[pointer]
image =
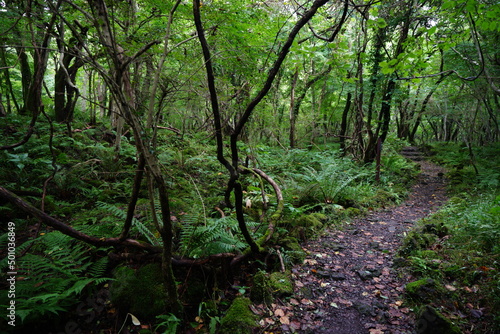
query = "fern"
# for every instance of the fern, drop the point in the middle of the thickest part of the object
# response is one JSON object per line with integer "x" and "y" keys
{"x": 217, "y": 236}
{"x": 326, "y": 184}
{"x": 98, "y": 268}
{"x": 142, "y": 228}
{"x": 60, "y": 270}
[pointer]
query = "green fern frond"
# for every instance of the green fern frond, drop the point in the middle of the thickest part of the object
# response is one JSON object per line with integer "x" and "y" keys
{"x": 98, "y": 268}
{"x": 141, "y": 228}
{"x": 53, "y": 276}
{"x": 20, "y": 249}
{"x": 217, "y": 236}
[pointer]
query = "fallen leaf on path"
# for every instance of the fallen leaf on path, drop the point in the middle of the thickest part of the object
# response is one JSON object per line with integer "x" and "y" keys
{"x": 279, "y": 312}
{"x": 295, "y": 325}
{"x": 284, "y": 320}
{"x": 376, "y": 331}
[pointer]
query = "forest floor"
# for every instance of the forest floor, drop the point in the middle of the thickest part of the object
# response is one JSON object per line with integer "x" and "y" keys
{"x": 348, "y": 283}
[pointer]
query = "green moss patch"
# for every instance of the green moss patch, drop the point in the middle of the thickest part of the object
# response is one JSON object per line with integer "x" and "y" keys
{"x": 308, "y": 225}
{"x": 431, "y": 321}
{"x": 423, "y": 290}
{"x": 261, "y": 289}
{"x": 281, "y": 283}
{"x": 239, "y": 319}
{"x": 139, "y": 292}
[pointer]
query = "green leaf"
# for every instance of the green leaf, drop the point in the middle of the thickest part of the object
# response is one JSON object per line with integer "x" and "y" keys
{"x": 448, "y": 4}
{"x": 79, "y": 286}
{"x": 381, "y": 23}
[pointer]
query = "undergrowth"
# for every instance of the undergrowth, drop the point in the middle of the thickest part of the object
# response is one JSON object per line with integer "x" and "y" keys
{"x": 459, "y": 246}
{"x": 60, "y": 270}
{"x": 92, "y": 183}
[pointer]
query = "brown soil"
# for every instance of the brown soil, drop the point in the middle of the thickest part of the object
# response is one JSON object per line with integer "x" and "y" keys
{"x": 348, "y": 283}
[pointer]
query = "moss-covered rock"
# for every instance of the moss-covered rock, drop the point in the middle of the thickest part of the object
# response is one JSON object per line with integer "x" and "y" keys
{"x": 430, "y": 321}
{"x": 239, "y": 319}
{"x": 423, "y": 290}
{"x": 417, "y": 240}
{"x": 261, "y": 289}
{"x": 266, "y": 285}
{"x": 308, "y": 225}
{"x": 352, "y": 212}
{"x": 383, "y": 197}
{"x": 293, "y": 249}
{"x": 281, "y": 283}
{"x": 139, "y": 292}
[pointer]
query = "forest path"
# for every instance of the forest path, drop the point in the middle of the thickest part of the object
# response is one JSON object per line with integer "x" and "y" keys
{"x": 347, "y": 284}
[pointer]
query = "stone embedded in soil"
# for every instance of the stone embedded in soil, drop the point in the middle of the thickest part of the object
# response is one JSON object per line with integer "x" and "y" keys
{"x": 368, "y": 274}
{"x": 365, "y": 274}
{"x": 337, "y": 276}
{"x": 364, "y": 309}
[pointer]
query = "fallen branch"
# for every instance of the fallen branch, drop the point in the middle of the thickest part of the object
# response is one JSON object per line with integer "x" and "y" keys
{"x": 70, "y": 231}
{"x": 169, "y": 128}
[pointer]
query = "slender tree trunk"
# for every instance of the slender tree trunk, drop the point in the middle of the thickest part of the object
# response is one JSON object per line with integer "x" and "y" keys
{"x": 8, "y": 82}
{"x": 122, "y": 91}
{"x": 293, "y": 114}
{"x": 26, "y": 77}
{"x": 343, "y": 123}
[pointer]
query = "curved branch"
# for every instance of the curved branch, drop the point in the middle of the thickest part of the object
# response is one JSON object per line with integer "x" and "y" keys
{"x": 211, "y": 87}
{"x": 280, "y": 206}
{"x": 276, "y": 66}
{"x": 27, "y": 136}
{"x": 337, "y": 28}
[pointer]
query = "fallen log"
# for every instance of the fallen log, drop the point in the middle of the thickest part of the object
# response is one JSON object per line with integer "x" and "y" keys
{"x": 70, "y": 231}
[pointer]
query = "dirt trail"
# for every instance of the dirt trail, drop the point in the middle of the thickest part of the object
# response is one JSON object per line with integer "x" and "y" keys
{"x": 348, "y": 284}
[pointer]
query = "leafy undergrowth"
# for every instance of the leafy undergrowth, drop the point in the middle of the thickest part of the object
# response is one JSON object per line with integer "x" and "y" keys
{"x": 457, "y": 249}
{"x": 89, "y": 181}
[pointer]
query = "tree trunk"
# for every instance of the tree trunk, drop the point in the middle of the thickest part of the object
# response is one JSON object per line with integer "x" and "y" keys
{"x": 26, "y": 77}
{"x": 293, "y": 110}
{"x": 233, "y": 166}
{"x": 343, "y": 123}
{"x": 10, "y": 94}
{"x": 120, "y": 87}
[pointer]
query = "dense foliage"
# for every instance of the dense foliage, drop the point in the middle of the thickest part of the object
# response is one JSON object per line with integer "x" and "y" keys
{"x": 210, "y": 134}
